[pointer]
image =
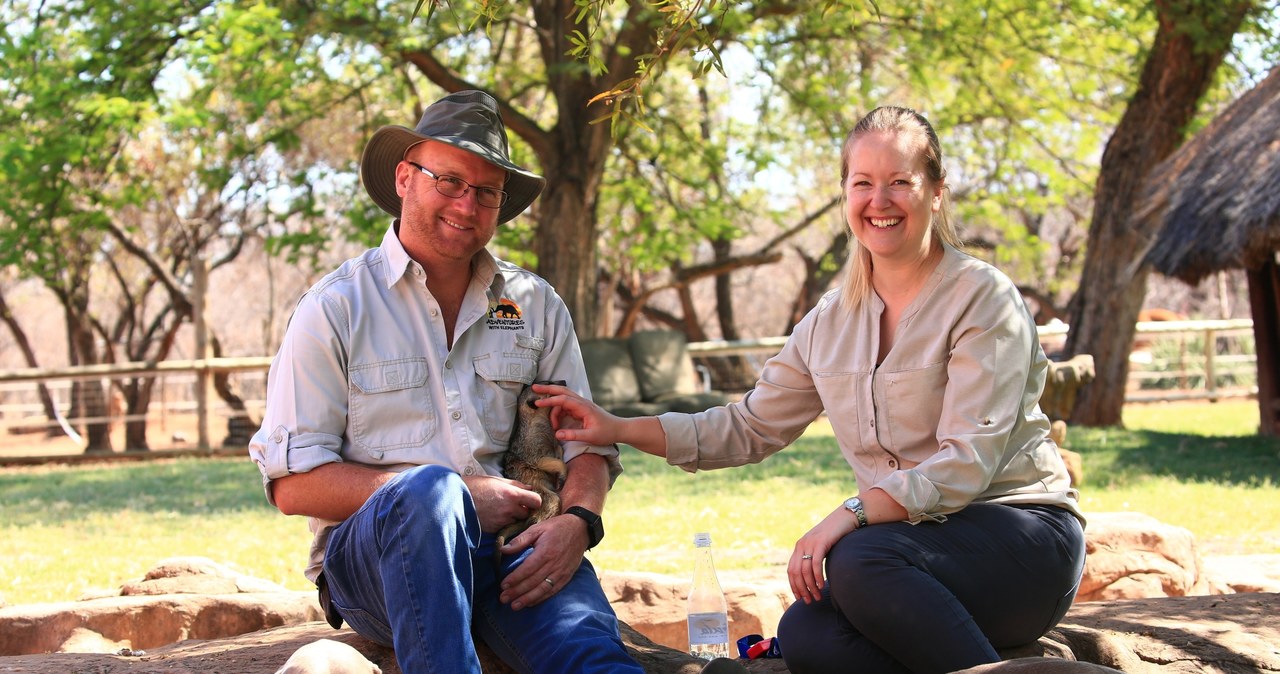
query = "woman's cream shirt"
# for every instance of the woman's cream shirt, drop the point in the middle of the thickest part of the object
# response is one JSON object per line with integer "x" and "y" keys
{"x": 950, "y": 417}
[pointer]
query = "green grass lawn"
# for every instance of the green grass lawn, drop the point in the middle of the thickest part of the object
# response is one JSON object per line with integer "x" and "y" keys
{"x": 65, "y": 531}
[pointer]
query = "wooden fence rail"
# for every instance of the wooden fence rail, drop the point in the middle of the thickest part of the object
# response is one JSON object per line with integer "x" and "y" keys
{"x": 1175, "y": 360}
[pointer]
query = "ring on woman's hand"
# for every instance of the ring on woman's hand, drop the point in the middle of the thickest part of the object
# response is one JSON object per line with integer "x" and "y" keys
{"x": 550, "y": 582}
{"x": 806, "y": 556}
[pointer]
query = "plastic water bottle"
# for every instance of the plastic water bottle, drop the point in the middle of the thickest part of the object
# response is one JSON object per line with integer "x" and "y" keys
{"x": 708, "y": 611}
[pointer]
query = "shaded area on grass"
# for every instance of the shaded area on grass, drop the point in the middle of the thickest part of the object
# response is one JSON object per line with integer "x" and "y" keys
{"x": 55, "y": 496}
{"x": 1116, "y": 457}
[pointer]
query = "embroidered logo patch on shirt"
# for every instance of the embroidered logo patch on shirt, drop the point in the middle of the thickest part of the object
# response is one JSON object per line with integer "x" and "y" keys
{"x": 505, "y": 314}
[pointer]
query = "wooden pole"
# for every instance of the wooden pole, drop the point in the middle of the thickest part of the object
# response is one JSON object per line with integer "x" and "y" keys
{"x": 199, "y": 291}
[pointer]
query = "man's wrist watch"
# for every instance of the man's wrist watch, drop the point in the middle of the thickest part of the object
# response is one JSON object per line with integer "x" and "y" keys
{"x": 595, "y": 525}
{"x": 854, "y": 505}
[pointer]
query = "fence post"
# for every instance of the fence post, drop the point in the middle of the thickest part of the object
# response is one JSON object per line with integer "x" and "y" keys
{"x": 199, "y": 291}
{"x": 1210, "y": 377}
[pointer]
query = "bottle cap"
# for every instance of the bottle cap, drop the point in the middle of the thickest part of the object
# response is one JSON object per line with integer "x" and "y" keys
{"x": 701, "y": 540}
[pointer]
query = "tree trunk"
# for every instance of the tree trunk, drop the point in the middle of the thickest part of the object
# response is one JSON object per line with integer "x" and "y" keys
{"x": 565, "y": 244}
{"x": 29, "y": 356}
{"x": 573, "y": 155}
{"x": 138, "y": 397}
{"x": 90, "y": 395}
{"x": 1177, "y": 72}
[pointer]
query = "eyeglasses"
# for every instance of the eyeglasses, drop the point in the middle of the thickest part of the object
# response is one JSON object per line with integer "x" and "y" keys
{"x": 455, "y": 188}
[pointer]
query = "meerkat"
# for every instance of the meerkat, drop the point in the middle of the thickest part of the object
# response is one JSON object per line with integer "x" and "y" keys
{"x": 534, "y": 457}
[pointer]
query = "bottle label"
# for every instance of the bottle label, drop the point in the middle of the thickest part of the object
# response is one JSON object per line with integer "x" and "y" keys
{"x": 708, "y": 628}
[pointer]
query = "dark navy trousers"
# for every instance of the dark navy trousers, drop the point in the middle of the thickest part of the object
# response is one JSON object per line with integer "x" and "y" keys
{"x": 938, "y": 597}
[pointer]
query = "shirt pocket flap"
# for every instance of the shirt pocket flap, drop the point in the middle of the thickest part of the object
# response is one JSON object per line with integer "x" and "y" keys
{"x": 508, "y": 369}
{"x": 393, "y": 375}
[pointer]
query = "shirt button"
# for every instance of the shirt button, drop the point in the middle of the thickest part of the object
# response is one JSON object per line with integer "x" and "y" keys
{"x": 873, "y": 423}
{"x": 469, "y": 470}
{"x": 893, "y": 464}
{"x": 456, "y": 415}
{"x": 448, "y": 365}
{"x": 377, "y": 454}
{"x": 434, "y": 313}
{"x": 276, "y": 438}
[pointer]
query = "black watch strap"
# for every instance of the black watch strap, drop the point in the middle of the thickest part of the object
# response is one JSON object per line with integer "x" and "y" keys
{"x": 595, "y": 526}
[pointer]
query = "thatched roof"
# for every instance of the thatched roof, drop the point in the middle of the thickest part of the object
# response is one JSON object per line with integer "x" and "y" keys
{"x": 1216, "y": 201}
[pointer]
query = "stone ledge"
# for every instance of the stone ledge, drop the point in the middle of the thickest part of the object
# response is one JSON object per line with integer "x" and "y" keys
{"x": 1172, "y": 635}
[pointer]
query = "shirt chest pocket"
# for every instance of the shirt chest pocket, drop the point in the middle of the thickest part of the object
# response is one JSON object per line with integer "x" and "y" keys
{"x": 499, "y": 380}
{"x": 912, "y": 405}
{"x": 390, "y": 406}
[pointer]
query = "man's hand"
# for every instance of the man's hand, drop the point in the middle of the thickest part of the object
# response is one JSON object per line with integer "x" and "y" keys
{"x": 558, "y": 545}
{"x": 500, "y": 501}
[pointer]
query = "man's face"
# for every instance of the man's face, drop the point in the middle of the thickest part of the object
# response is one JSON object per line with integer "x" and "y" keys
{"x": 434, "y": 227}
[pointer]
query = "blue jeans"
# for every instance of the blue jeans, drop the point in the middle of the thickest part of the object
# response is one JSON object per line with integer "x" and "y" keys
{"x": 938, "y": 597}
{"x": 413, "y": 571}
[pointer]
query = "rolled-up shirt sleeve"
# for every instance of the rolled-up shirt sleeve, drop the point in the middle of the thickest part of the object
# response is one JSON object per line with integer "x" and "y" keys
{"x": 771, "y": 416}
{"x": 306, "y": 409}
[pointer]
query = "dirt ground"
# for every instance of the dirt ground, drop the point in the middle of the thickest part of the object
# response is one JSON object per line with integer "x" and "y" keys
{"x": 164, "y": 432}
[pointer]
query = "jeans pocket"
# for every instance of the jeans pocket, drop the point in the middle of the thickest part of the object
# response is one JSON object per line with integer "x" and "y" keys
{"x": 366, "y": 625}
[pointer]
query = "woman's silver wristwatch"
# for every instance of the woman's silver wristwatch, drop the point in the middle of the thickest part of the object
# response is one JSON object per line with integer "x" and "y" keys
{"x": 854, "y": 505}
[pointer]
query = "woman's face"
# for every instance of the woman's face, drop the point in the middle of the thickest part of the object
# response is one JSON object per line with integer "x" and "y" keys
{"x": 889, "y": 200}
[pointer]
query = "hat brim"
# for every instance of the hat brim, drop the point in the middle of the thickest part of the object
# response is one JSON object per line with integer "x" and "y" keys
{"x": 385, "y": 150}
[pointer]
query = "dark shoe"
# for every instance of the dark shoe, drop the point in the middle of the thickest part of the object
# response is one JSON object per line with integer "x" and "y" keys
{"x": 723, "y": 666}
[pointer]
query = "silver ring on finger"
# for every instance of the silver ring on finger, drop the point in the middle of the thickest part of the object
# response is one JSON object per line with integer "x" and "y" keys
{"x": 549, "y": 582}
{"x": 806, "y": 556}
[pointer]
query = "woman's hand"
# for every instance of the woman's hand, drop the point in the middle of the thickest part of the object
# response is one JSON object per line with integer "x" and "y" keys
{"x": 804, "y": 571}
{"x": 576, "y": 418}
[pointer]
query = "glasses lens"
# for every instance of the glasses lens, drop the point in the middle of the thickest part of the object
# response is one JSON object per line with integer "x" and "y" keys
{"x": 450, "y": 186}
{"x": 489, "y": 197}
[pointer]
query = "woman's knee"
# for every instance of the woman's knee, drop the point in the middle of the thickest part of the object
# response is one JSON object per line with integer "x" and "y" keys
{"x": 857, "y": 566}
{"x": 805, "y": 635}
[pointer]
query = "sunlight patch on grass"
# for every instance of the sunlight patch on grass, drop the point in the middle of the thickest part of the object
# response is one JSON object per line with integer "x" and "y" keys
{"x": 70, "y": 530}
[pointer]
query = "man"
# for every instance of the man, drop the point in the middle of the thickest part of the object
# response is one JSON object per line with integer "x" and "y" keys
{"x": 390, "y": 404}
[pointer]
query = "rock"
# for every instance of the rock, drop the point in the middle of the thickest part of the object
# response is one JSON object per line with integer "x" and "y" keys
{"x": 1173, "y": 635}
{"x": 266, "y": 651}
{"x": 1170, "y": 635}
{"x": 181, "y": 598}
{"x": 1062, "y": 384}
{"x": 1038, "y": 666}
{"x": 248, "y": 625}
{"x": 655, "y": 605}
{"x": 1243, "y": 573}
{"x": 1131, "y": 555}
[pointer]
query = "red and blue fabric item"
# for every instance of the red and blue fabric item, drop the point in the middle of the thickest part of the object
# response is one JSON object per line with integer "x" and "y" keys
{"x": 755, "y": 646}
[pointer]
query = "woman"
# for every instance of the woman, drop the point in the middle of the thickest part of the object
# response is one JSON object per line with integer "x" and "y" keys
{"x": 964, "y": 535}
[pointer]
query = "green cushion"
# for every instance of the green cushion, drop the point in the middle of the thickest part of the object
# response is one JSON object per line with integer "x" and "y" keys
{"x": 662, "y": 363}
{"x": 609, "y": 372}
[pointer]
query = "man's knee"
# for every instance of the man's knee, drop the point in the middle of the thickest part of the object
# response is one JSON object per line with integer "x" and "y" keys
{"x": 429, "y": 481}
{"x": 431, "y": 489}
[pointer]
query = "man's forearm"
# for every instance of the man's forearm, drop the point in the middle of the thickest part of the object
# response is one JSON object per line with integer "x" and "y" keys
{"x": 334, "y": 491}
{"x": 586, "y": 484}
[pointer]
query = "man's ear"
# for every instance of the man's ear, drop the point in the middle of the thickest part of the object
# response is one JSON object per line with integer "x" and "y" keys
{"x": 402, "y": 178}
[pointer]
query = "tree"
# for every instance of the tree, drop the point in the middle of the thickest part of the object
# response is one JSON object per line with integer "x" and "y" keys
{"x": 1191, "y": 41}
{"x": 181, "y": 141}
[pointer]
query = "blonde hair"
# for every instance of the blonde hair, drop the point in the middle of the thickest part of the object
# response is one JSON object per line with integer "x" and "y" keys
{"x": 904, "y": 122}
